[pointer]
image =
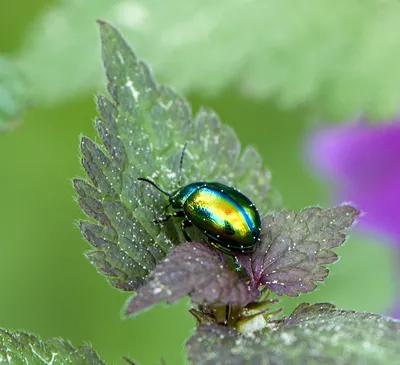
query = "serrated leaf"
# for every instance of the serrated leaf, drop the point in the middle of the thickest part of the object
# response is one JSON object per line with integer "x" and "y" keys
{"x": 295, "y": 247}
{"x": 338, "y": 58}
{"x": 18, "y": 348}
{"x": 194, "y": 269}
{"x": 13, "y": 94}
{"x": 143, "y": 128}
{"x": 313, "y": 334}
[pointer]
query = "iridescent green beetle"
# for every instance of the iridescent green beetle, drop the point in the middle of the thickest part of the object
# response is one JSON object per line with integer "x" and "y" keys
{"x": 227, "y": 217}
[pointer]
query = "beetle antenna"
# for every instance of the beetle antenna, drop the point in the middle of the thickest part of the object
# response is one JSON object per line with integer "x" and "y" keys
{"x": 181, "y": 162}
{"x": 155, "y": 185}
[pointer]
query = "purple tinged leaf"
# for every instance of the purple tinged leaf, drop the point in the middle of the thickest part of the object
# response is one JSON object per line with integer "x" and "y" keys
{"x": 295, "y": 247}
{"x": 195, "y": 269}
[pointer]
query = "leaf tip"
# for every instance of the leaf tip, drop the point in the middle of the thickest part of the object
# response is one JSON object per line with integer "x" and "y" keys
{"x": 102, "y": 22}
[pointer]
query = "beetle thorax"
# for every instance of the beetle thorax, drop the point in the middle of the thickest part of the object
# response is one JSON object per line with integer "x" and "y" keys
{"x": 179, "y": 197}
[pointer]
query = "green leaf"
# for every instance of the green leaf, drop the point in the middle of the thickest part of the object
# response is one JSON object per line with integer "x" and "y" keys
{"x": 18, "y": 348}
{"x": 313, "y": 334}
{"x": 13, "y": 94}
{"x": 295, "y": 248}
{"x": 143, "y": 128}
{"x": 339, "y": 58}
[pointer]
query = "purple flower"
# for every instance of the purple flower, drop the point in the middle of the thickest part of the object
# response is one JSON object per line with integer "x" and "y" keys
{"x": 363, "y": 161}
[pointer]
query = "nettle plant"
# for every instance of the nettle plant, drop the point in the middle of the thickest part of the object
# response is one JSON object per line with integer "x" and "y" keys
{"x": 213, "y": 249}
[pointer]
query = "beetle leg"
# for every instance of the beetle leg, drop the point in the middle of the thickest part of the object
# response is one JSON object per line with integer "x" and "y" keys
{"x": 186, "y": 224}
{"x": 167, "y": 217}
{"x": 162, "y": 219}
{"x": 237, "y": 264}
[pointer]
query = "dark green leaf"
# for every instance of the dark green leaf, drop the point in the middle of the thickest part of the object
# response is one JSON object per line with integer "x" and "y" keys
{"x": 295, "y": 247}
{"x": 313, "y": 334}
{"x": 20, "y": 348}
{"x": 143, "y": 127}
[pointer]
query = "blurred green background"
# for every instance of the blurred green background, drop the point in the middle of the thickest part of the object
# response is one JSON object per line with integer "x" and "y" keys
{"x": 49, "y": 288}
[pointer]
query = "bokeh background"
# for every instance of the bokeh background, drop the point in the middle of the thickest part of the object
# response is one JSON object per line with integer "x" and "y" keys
{"x": 47, "y": 286}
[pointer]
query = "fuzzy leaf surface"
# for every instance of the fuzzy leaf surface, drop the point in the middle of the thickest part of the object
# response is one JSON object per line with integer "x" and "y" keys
{"x": 339, "y": 56}
{"x": 295, "y": 247}
{"x": 13, "y": 94}
{"x": 195, "y": 269}
{"x": 142, "y": 130}
{"x": 20, "y": 348}
{"x": 313, "y": 334}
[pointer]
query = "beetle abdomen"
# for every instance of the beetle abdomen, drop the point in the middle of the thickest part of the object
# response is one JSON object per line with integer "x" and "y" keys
{"x": 225, "y": 215}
